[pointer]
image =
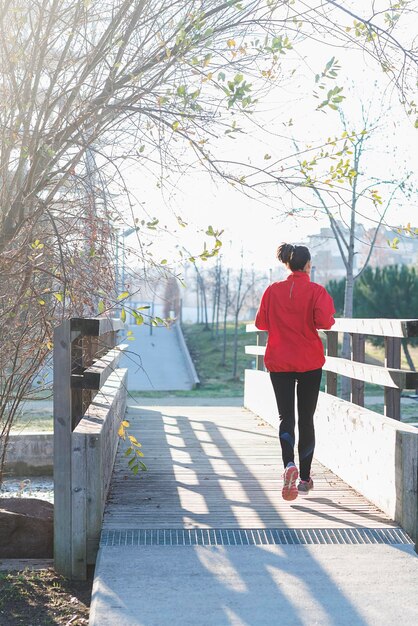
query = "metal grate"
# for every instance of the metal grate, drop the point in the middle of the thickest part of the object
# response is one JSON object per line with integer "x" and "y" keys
{"x": 252, "y": 536}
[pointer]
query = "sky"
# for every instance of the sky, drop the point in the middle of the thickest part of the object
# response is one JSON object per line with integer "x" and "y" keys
{"x": 253, "y": 227}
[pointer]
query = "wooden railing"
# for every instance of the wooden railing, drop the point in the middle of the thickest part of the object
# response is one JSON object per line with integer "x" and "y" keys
{"x": 377, "y": 456}
{"x": 390, "y": 376}
{"x": 89, "y": 403}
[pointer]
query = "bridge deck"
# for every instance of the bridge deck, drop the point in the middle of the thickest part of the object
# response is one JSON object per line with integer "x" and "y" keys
{"x": 202, "y": 538}
{"x": 220, "y": 467}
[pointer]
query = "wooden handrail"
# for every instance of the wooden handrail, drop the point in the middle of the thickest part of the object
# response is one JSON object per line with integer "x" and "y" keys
{"x": 391, "y": 377}
{"x": 380, "y": 327}
{"x": 384, "y": 376}
{"x": 96, "y": 326}
{"x": 95, "y": 376}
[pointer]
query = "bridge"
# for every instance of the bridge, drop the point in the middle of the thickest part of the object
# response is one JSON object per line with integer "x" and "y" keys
{"x": 203, "y": 537}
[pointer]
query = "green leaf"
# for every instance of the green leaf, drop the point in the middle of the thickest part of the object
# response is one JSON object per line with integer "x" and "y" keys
{"x": 123, "y": 315}
{"x": 123, "y": 295}
{"x": 59, "y": 297}
{"x": 101, "y": 307}
{"x": 138, "y": 318}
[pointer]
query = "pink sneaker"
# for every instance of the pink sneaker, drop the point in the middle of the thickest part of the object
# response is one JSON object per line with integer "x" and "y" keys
{"x": 305, "y": 486}
{"x": 290, "y": 476}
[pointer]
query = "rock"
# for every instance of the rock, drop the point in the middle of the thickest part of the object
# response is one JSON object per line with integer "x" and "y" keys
{"x": 26, "y": 528}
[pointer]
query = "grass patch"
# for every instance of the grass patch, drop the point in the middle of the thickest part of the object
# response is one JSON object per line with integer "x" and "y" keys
{"x": 206, "y": 349}
{"x": 43, "y": 598}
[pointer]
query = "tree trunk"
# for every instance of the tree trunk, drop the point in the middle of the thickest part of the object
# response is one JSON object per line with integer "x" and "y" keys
{"x": 349, "y": 293}
{"x": 346, "y": 346}
{"x": 223, "y": 362}
{"x": 237, "y": 310}
{"x": 407, "y": 354}
{"x": 218, "y": 303}
{"x": 215, "y": 299}
{"x": 197, "y": 300}
{"x": 204, "y": 301}
{"x": 235, "y": 360}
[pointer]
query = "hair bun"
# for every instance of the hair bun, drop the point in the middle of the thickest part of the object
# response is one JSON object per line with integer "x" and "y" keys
{"x": 284, "y": 252}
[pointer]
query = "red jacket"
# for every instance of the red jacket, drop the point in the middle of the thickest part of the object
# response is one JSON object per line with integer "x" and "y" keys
{"x": 291, "y": 311}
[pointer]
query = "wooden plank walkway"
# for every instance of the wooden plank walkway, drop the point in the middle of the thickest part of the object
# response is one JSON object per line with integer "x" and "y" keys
{"x": 220, "y": 467}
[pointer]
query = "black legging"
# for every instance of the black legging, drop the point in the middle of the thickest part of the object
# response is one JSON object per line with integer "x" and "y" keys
{"x": 307, "y": 395}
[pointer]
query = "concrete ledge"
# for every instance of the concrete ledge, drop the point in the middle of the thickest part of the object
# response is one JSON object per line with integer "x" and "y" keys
{"x": 30, "y": 454}
{"x": 19, "y": 565}
{"x": 376, "y": 455}
{"x": 188, "y": 359}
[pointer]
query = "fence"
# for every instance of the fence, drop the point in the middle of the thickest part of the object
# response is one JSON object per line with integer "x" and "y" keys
{"x": 376, "y": 454}
{"x": 89, "y": 403}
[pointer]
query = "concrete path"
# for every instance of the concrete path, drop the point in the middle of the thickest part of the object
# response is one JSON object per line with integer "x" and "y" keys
{"x": 268, "y": 585}
{"x": 204, "y": 539}
{"x": 157, "y": 360}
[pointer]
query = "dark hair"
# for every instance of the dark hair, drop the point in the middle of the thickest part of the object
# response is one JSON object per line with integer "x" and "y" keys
{"x": 296, "y": 256}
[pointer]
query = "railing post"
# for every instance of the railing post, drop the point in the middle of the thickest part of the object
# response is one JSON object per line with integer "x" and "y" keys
{"x": 332, "y": 350}
{"x": 63, "y": 416}
{"x": 357, "y": 386}
{"x": 261, "y": 341}
{"x": 76, "y": 368}
{"x": 393, "y": 359}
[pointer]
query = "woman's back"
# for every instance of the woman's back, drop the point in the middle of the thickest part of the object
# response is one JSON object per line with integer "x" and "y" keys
{"x": 291, "y": 311}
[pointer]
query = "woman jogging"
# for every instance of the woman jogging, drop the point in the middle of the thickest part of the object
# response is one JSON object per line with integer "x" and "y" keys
{"x": 291, "y": 311}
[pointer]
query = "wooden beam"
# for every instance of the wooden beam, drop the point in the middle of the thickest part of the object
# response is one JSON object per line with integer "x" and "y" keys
{"x": 62, "y": 448}
{"x": 332, "y": 351}
{"x": 358, "y": 344}
{"x": 96, "y": 375}
{"x": 386, "y": 377}
{"x": 79, "y": 508}
{"x": 380, "y": 327}
{"x": 255, "y": 350}
{"x": 261, "y": 342}
{"x": 96, "y": 326}
{"x": 393, "y": 359}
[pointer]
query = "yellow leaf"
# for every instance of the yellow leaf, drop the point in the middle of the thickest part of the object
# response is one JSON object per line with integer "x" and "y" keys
{"x": 231, "y": 43}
